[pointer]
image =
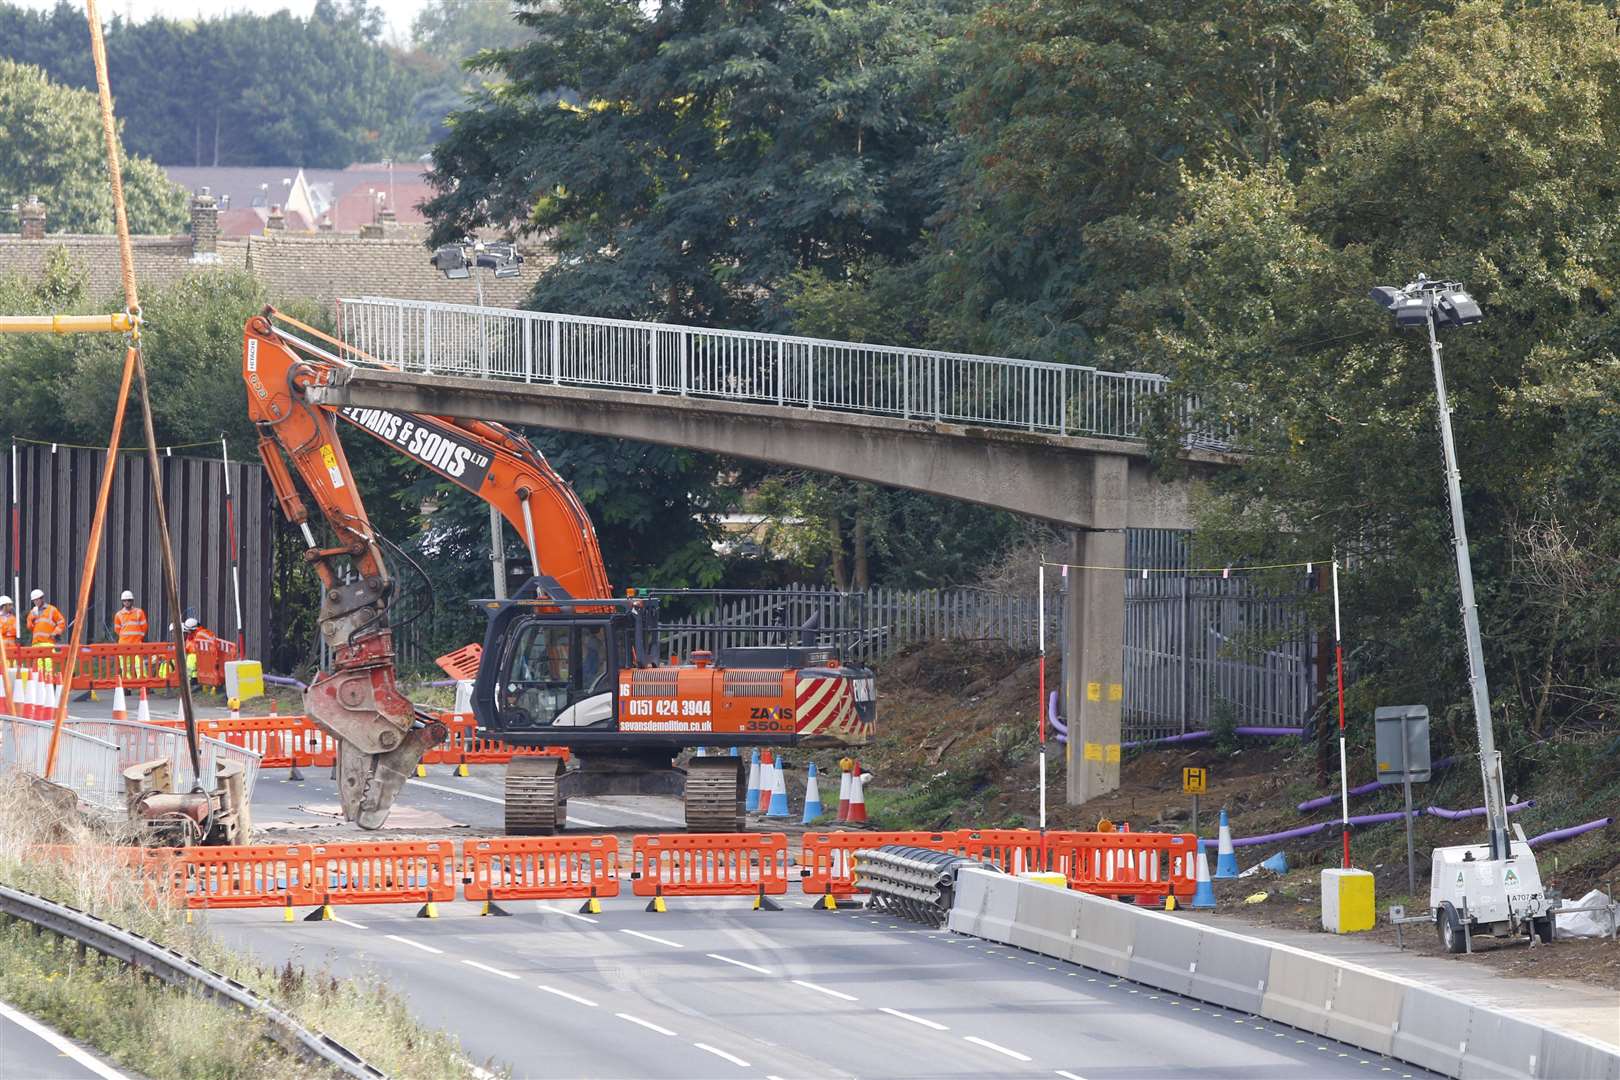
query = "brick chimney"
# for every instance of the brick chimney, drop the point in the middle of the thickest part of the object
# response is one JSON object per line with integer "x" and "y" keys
{"x": 32, "y": 215}
{"x": 277, "y": 222}
{"x": 204, "y": 227}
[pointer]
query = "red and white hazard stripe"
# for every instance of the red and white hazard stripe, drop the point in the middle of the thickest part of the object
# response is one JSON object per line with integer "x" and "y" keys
{"x": 825, "y": 703}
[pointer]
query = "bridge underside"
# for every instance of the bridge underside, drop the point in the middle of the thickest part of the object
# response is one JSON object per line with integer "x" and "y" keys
{"x": 1081, "y": 483}
{"x": 1097, "y": 488}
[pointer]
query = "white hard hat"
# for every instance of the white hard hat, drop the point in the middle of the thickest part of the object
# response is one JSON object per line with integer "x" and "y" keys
{"x": 5, "y": 601}
{"x": 190, "y": 624}
{"x": 37, "y": 594}
{"x": 126, "y": 595}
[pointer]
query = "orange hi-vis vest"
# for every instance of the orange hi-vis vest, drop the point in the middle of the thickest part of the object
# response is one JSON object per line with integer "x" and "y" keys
{"x": 130, "y": 625}
{"x": 45, "y": 624}
{"x": 8, "y": 630}
{"x": 200, "y": 638}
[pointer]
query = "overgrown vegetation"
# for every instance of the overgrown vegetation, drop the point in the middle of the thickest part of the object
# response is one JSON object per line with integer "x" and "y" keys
{"x": 162, "y": 1032}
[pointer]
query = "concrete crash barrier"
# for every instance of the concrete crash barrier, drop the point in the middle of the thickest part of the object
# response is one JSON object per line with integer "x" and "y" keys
{"x": 985, "y": 905}
{"x": 1048, "y": 919}
{"x": 1232, "y": 970}
{"x": 1107, "y": 935}
{"x": 1382, "y": 1014}
{"x": 1166, "y": 953}
{"x": 1565, "y": 1054}
{"x": 1366, "y": 1009}
{"x": 1503, "y": 1047}
{"x": 998, "y": 910}
{"x": 1433, "y": 1030}
{"x": 1299, "y": 989}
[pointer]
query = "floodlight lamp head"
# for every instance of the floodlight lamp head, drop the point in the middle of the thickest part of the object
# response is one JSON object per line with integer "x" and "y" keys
{"x": 451, "y": 261}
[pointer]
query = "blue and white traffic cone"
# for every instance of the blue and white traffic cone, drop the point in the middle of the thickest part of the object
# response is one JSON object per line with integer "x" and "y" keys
{"x": 1225, "y": 857}
{"x": 779, "y": 803}
{"x": 1204, "y": 895}
{"x": 812, "y": 796}
{"x": 751, "y": 801}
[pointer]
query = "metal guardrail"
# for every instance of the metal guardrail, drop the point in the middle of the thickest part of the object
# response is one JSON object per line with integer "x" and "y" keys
{"x": 137, "y": 742}
{"x": 771, "y": 369}
{"x": 181, "y": 972}
{"x": 87, "y": 764}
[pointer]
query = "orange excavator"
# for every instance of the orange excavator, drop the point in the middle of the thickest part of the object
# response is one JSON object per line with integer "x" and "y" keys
{"x": 564, "y": 662}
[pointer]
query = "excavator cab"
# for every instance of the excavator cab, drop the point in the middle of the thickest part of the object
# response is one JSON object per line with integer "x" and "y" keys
{"x": 558, "y": 673}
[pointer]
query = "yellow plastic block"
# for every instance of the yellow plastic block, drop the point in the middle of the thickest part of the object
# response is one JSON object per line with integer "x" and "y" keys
{"x": 1348, "y": 905}
{"x": 1046, "y": 877}
{"x": 244, "y": 679}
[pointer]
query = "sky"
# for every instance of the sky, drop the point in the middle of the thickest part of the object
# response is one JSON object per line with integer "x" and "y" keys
{"x": 400, "y": 12}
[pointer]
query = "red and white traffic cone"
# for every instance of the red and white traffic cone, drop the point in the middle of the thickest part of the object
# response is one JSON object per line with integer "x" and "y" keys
{"x": 857, "y": 799}
{"x": 120, "y": 706}
{"x": 55, "y": 696}
{"x": 843, "y": 792}
{"x": 142, "y": 712}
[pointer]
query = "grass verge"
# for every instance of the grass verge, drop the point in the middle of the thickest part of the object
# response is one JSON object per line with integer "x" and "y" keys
{"x": 152, "y": 1029}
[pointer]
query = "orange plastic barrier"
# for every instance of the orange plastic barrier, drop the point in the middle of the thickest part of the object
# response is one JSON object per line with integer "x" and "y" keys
{"x": 827, "y": 860}
{"x": 465, "y": 746}
{"x": 1014, "y": 851}
{"x": 709, "y": 864}
{"x": 261, "y": 875}
{"x": 1127, "y": 864}
{"x": 392, "y": 872}
{"x": 101, "y": 667}
{"x": 540, "y": 868}
{"x": 283, "y": 742}
{"x": 462, "y": 663}
{"x": 212, "y": 655}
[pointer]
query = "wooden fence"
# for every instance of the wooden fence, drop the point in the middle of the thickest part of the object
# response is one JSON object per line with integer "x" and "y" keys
{"x": 56, "y": 489}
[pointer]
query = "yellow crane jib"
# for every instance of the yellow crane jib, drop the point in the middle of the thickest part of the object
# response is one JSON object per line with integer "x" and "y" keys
{"x": 117, "y": 323}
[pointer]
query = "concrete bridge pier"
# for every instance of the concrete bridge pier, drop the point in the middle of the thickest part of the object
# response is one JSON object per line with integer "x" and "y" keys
{"x": 1094, "y": 658}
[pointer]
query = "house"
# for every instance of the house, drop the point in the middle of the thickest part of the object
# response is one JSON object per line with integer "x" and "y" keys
{"x": 310, "y": 200}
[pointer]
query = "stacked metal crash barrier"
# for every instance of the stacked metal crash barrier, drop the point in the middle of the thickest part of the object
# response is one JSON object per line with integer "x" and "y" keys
{"x": 913, "y": 882}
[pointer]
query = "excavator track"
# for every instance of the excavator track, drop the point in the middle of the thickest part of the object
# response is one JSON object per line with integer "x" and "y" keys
{"x": 716, "y": 789}
{"x": 534, "y": 806}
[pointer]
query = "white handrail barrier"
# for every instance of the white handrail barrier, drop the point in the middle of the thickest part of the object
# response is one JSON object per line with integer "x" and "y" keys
{"x": 772, "y": 369}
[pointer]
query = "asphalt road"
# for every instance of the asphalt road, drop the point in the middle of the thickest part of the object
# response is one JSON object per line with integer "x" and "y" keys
{"x": 31, "y": 1051}
{"x": 713, "y": 989}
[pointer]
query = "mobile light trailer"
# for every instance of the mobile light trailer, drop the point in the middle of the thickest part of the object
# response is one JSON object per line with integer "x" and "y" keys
{"x": 1494, "y": 887}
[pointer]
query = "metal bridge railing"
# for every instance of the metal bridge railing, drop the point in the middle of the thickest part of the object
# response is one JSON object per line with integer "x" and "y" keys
{"x": 773, "y": 369}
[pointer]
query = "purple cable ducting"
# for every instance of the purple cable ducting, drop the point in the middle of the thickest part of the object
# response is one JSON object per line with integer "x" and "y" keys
{"x": 1574, "y": 830}
{"x": 1364, "y": 789}
{"x": 1475, "y": 811}
{"x": 1268, "y": 732}
{"x": 283, "y": 680}
{"x": 1307, "y": 830}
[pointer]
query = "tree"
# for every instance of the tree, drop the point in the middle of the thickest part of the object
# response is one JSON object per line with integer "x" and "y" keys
{"x": 55, "y": 149}
{"x": 321, "y": 91}
{"x": 687, "y": 158}
{"x": 1487, "y": 154}
{"x": 1077, "y": 118}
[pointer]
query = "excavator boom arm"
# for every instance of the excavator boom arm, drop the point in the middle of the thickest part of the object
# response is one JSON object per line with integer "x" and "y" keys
{"x": 381, "y": 738}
